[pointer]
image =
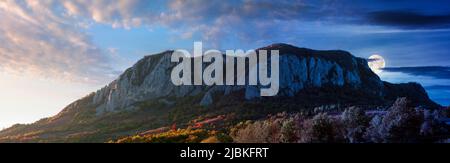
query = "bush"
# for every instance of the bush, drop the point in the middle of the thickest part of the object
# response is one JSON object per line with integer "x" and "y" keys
{"x": 375, "y": 133}
{"x": 174, "y": 136}
{"x": 212, "y": 139}
{"x": 282, "y": 128}
{"x": 401, "y": 124}
{"x": 288, "y": 133}
{"x": 255, "y": 132}
{"x": 432, "y": 129}
{"x": 355, "y": 123}
{"x": 319, "y": 129}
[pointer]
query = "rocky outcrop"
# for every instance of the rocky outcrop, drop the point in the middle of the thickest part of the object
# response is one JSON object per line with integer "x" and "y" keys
{"x": 308, "y": 79}
{"x": 299, "y": 69}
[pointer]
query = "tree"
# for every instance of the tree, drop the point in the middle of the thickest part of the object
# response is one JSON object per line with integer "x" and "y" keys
{"x": 401, "y": 124}
{"x": 288, "y": 131}
{"x": 375, "y": 132}
{"x": 320, "y": 129}
{"x": 256, "y": 132}
{"x": 355, "y": 123}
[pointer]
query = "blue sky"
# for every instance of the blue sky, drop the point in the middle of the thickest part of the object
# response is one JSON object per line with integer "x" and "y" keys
{"x": 78, "y": 46}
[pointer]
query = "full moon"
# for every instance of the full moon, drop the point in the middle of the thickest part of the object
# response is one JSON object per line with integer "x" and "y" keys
{"x": 377, "y": 63}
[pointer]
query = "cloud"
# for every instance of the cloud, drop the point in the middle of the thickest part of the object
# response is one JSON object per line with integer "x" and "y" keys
{"x": 438, "y": 87}
{"x": 373, "y": 60}
{"x": 215, "y": 20}
{"x": 211, "y": 20}
{"x": 409, "y": 19}
{"x": 431, "y": 71}
{"x": 119, "y": 13}
{"x": 37, "y": 41}
{"x": 47, "y": 37}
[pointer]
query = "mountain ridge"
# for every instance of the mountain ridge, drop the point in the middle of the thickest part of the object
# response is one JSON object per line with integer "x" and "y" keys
{"x": 143, "y": 97}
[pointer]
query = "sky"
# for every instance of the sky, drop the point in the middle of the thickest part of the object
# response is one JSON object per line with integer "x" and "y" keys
{"x": 53, "y": 52}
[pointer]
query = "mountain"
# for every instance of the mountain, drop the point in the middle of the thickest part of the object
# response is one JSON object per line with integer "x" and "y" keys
{"x": 144, "y": 98}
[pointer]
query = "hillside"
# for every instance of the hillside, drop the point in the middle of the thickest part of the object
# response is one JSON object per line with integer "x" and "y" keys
{"x": 143, "y": 98}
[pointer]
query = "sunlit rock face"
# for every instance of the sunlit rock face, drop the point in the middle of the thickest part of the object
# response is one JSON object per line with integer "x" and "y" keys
{"x": 147, "y": 79}
{"x": 300, "y": 69}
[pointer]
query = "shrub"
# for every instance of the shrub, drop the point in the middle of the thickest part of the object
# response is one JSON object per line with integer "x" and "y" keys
{"x": 375, "y": 132}
{"x": 282, "y": 128}
{"x": 288, "y": 133}
{"x": 355, "y": 123}
{"x": 212, "y": 139}
{"x": 256, "y": 132}
{"x": 174, "y": 136}
{"x": 433, "y": 129}
{"x": 401, "y": 124}
{"x": 319, "y": 129}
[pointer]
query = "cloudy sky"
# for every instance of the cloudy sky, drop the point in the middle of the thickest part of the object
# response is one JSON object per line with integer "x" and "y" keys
{"x": 55, "y": 51}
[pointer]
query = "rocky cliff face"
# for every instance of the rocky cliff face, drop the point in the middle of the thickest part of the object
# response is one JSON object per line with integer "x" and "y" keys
{"x": 300, "y": 69}
{"x": 144, "y": 98}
